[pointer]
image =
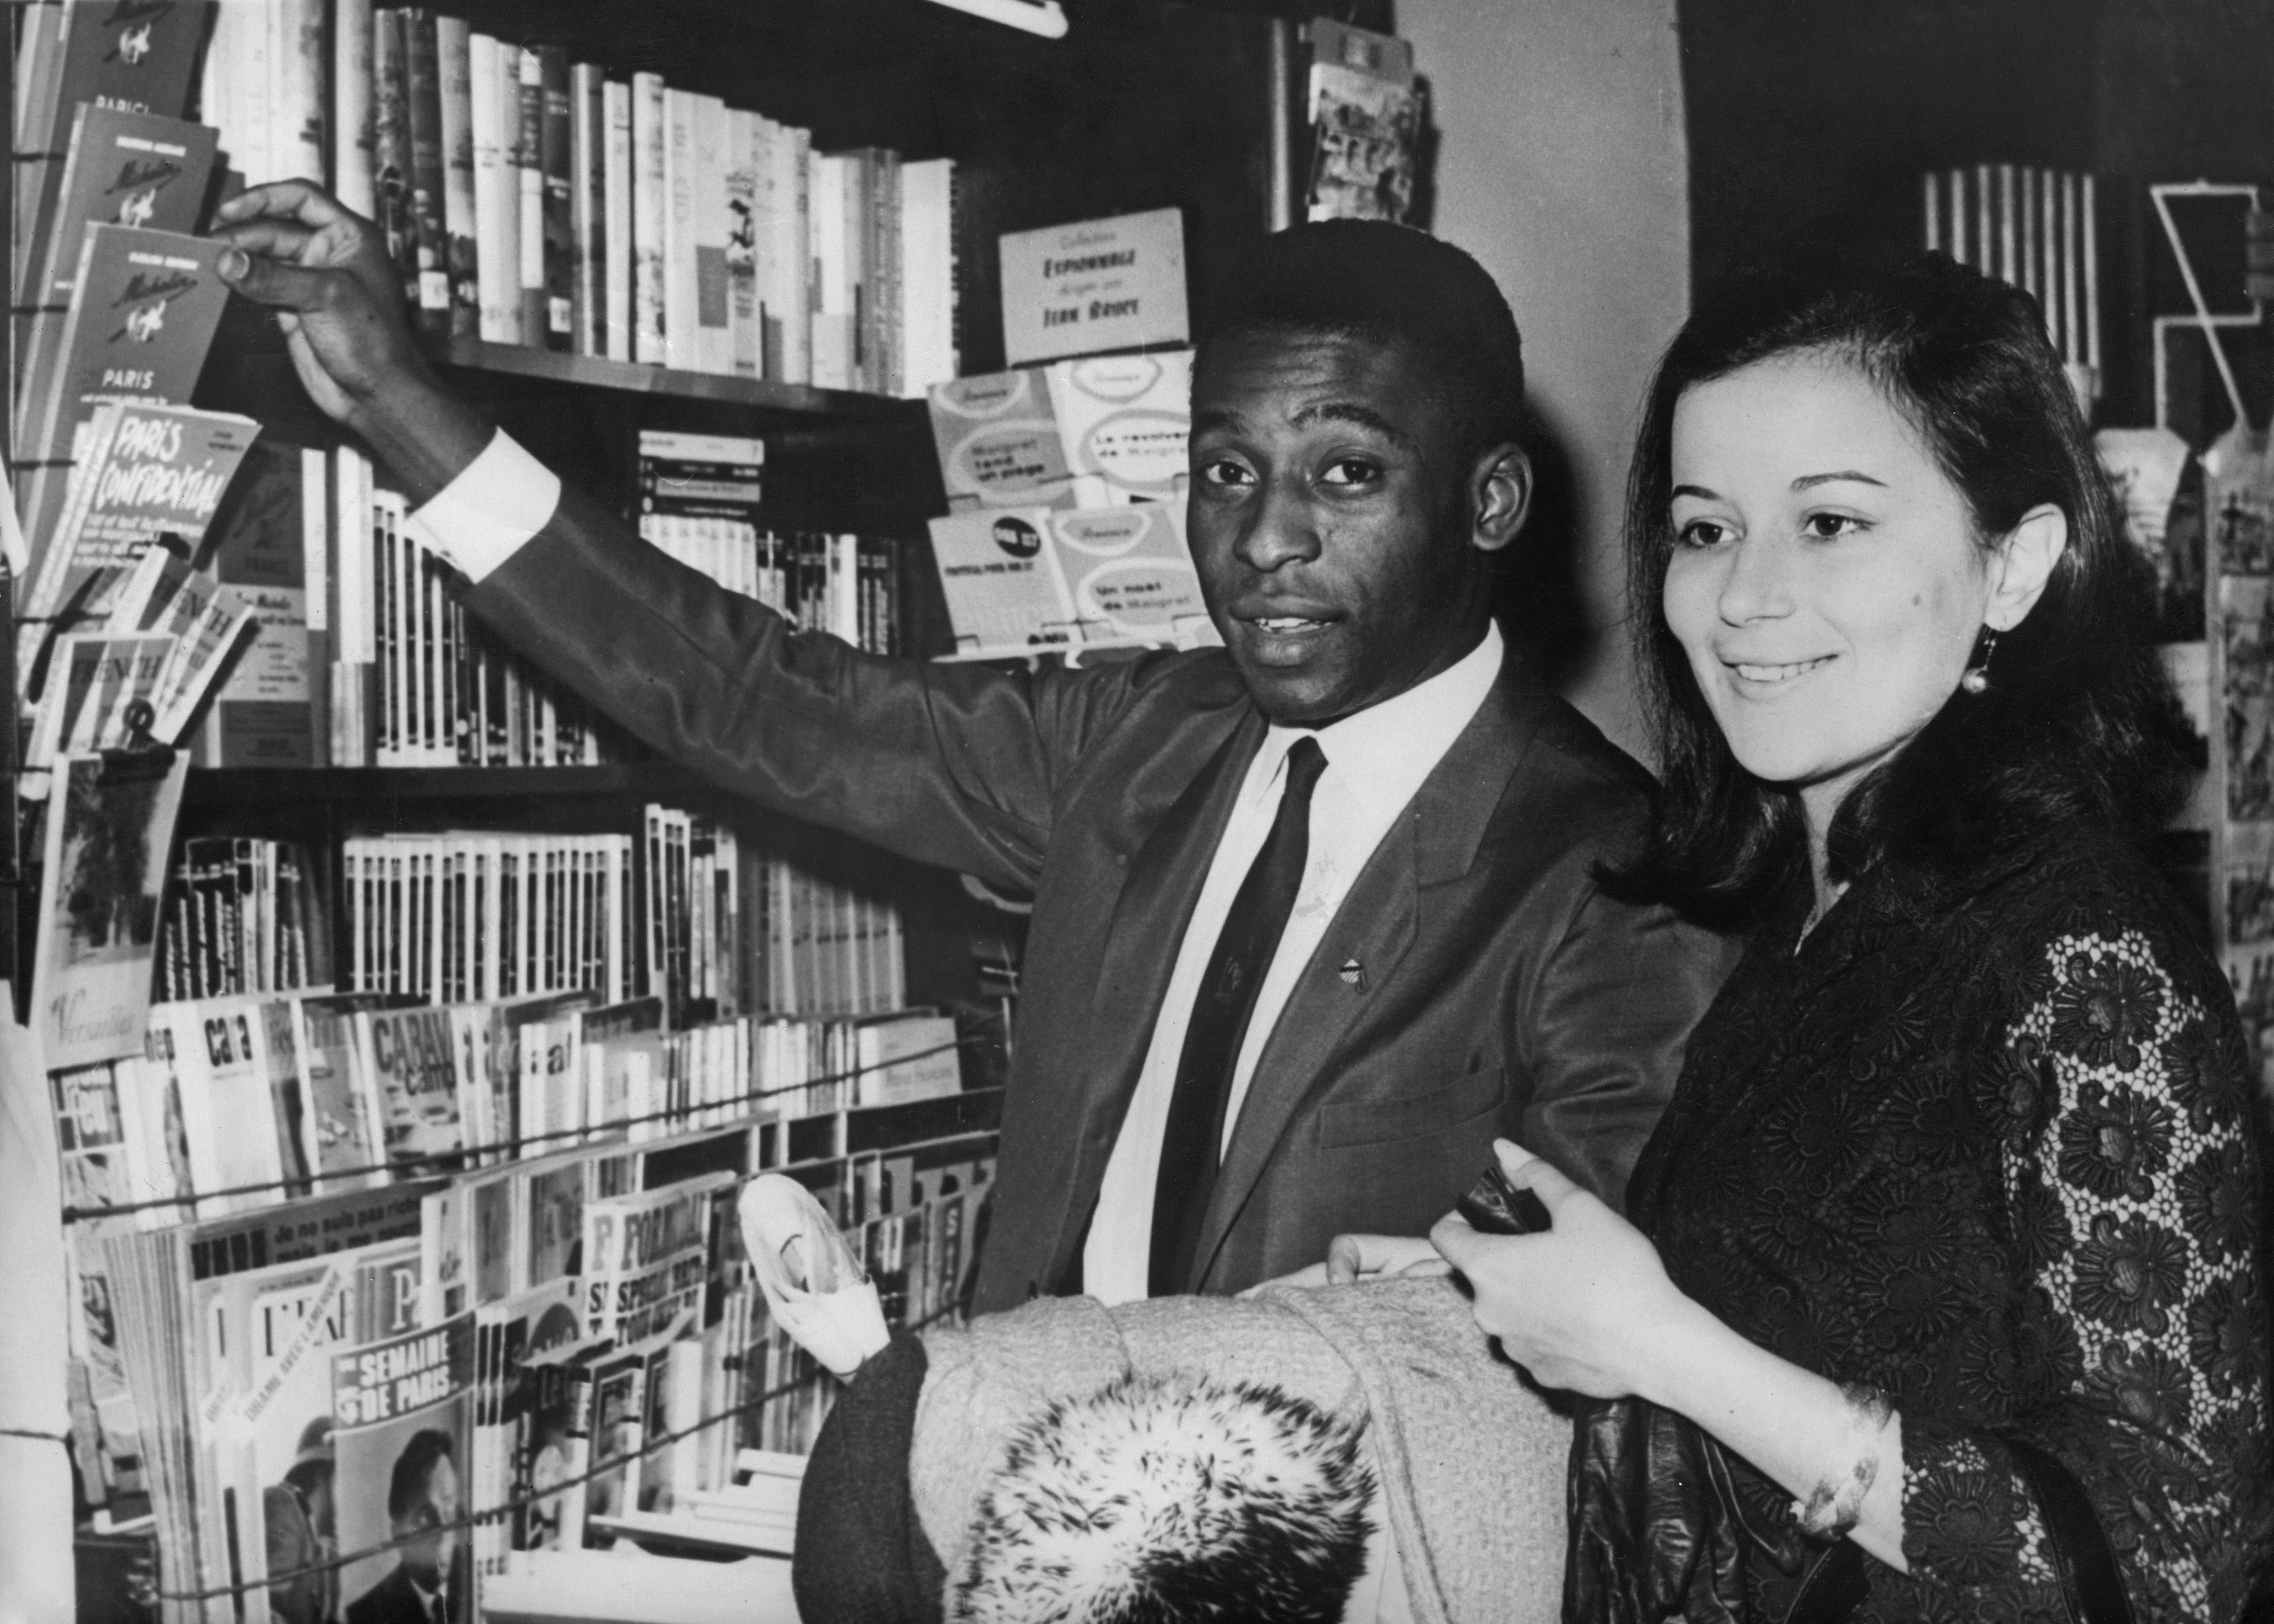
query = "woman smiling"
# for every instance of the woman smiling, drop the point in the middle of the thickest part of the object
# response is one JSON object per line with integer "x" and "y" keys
{"x": 1946, "y": 1252}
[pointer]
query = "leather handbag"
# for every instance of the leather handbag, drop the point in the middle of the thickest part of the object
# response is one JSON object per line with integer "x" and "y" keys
{"x": 1659, "y": 1531}
{"x": 2093, "y": 1585}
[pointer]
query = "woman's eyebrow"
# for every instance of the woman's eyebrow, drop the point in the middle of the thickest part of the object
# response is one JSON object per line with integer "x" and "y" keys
{"x": 1807, "y": 482}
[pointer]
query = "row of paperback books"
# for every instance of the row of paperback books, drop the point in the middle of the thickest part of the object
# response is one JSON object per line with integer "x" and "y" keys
{"x": 243, "y": 915}
{"x": 535, "y": 1358}
{"x": 698, "y": 502}
{"x": 243, "y": 1105}
{"x": 531, "y": 199}
{"x": 686, "y": 915}
{"x": 414, "y": 682}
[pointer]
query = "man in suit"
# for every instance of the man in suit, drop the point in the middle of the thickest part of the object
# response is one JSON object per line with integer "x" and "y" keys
{"x": 1314, "y": 913}
{"x": 427, "y": 1583}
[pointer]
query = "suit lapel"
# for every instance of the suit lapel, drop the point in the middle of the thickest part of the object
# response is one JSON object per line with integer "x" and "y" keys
{"x": 1150, "y": 915}
{"x": 1434, "y": 840}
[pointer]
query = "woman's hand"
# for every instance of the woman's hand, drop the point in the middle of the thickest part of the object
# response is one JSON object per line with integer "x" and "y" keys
{"x": 1586, "y": 1305}
{"x": 1353, "y": 1258}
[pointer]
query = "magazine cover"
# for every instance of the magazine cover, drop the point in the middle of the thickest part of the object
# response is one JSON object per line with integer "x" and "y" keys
{"x": 550, "y": 1405}
{"x": 1366, "y": 133}
{"x": 110, "y": 824}
{"x": 400, "y": 1440}
{"x": 407, "y": 1056}
{"x": 278, "y": 1329}
{"x": 647, "y": 1260}
{"x": 2247, "y": 623}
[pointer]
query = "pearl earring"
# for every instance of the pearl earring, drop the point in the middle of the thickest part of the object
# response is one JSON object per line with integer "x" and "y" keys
{"x": 1977, "y": 678}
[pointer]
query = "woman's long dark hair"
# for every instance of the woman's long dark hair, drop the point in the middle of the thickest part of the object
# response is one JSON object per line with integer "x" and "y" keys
{"x": 2078, "y": 719}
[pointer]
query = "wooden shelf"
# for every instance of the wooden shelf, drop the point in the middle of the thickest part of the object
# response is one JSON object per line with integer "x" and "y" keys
{"x": 591, "y": 372}
{"x": 210, "y": 786}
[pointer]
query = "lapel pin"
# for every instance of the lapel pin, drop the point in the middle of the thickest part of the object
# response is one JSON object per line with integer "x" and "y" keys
{"x": 1353, "y": 973}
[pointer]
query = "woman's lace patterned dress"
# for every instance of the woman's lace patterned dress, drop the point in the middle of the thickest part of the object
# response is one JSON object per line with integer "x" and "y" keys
{"x": 1991, "y": 1147}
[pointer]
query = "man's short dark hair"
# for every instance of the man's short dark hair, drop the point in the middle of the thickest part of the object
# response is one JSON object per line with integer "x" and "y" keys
{"x": 413, "y": 1467}
{"x": 1369, "y": 278}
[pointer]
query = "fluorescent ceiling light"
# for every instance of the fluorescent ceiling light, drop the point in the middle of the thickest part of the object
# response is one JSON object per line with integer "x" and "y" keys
{"x": 1042, "y": 17}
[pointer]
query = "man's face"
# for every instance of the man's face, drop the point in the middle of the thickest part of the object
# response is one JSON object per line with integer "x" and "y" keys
{"x": 1331, "y": 520}
{"x": 427, "y": 1559}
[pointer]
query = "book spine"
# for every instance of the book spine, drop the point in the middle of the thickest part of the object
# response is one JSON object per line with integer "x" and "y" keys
{"x": 797, "y": 332}
{"x": 509, "y": 168}
{"x": 747, "y": 339}
{"x": 316, "y": 583}
{"x": 556, "y": 153}
{"x": 616, "y": 222}
{"x": 454, "y": 50}
{"x": 831, "y": 295}
{"x": 766, "y": 231}
{"x": 530, "y": 150}
{"x": 714, "y": 330}
{"x": 588, "y": 138}
{"x": 886, "y": 265}
{"x": 423, "y": 103}
{"x": 297, "y": 75}
{"x": 680, "y": 271}
{"x": 649, "y": 166}
{"x": 499, "y": 274}
{"x": 391, "y": 157}
{"x": 351, "y": 106}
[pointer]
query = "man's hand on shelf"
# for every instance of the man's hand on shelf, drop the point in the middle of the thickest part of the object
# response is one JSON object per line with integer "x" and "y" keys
{"x": 325, "y": 272}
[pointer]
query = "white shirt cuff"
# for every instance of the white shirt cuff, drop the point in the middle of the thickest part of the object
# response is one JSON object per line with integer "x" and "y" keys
{"x": 498, "y": 502}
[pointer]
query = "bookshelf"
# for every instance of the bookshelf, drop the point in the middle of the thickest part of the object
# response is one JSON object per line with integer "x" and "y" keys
{"x": 1150, "y": 105}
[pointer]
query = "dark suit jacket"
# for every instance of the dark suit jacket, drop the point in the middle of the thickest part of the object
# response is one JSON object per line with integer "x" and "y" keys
{"x": 395, "y": 1600}
{"x": 1501, "y": 994}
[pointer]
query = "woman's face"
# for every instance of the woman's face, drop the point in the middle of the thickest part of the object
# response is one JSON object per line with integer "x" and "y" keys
{"x": 1825, "y": 582}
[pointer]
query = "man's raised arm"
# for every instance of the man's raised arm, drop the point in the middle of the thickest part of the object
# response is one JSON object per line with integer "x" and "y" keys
{"x": 951, "y": 766}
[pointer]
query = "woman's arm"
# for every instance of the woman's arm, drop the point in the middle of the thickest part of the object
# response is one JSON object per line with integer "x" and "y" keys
{"x": 2133, "y": 1198}
{"x": 1586, "y": 1307}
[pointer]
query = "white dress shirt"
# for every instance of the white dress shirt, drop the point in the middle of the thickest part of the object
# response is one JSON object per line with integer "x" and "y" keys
{"x": 1375, "y": 761}
{"x": 497, "y": 502}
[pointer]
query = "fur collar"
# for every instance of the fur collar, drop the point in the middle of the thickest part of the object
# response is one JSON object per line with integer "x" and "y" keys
{"x": 1170, "y": 1498}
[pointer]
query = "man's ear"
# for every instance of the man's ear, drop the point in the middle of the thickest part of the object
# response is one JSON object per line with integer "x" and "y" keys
{"x": 2024, "y": 563}
{"x": 1500, "y": 495}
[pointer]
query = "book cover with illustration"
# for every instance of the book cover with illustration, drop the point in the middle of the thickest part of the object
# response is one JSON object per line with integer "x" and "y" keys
{"x": 1034, "y": 578}
{"x": 139, "y": 327}
{"x": 124, "y": 167}
{"x": 149, "y": 471}
{"x": 109, "y": 825}
{"x": 92, "y": 681}
{"x": 1090, "y": 433}
{"x": 271, "y": 525}
{"x": 137, "y": 56}
{"x": 402, "y": 1444}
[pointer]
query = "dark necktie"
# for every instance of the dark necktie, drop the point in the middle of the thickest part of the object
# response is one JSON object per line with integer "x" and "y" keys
{"x": 1219, "y": 1025}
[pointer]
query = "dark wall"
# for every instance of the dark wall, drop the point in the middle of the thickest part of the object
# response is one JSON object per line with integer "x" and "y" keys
{"x": 1810, "y": 124}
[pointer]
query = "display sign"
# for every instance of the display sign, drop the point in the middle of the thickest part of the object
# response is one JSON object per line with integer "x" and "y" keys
{"x": 1093, "y": 286}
